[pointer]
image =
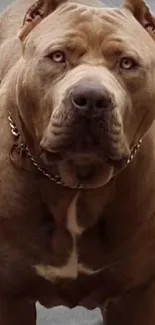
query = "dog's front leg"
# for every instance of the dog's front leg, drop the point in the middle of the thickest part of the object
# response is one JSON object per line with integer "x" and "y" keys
{"x": 16, "y": 312}
{"x": 135, "y": 308}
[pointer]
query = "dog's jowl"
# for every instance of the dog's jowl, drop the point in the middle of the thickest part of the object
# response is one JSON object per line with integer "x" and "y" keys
{"x": 77, "y": 160}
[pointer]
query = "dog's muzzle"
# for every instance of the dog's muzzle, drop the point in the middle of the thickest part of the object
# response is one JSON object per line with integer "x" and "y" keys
{"x": 85, "y": 120}
{"x": 84, "y": 135}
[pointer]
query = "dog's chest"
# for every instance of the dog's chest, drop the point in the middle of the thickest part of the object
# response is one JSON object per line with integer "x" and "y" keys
{"x": 79, "y": 259}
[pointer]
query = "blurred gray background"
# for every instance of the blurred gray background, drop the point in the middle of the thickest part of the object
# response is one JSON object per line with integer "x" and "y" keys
{"x": 61, "y": 315}
{"x": 4, "y": 3}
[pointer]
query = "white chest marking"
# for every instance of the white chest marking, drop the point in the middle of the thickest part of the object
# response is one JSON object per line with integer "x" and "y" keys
{"x": 72, "y": 224}
{"x": 72, "y": 268}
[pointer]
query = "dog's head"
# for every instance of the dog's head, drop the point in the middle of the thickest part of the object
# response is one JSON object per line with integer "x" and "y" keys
{"x": 86, "y": 87}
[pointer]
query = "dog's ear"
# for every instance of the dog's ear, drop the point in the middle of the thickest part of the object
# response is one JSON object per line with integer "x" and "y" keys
{"x": 143, "y": 14}
{"x": 36, "y": 13}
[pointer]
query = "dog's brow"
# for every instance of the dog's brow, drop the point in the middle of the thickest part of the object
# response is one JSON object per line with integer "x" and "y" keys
{"x": 117, "y": 46}
{"x": 74, "y": 40}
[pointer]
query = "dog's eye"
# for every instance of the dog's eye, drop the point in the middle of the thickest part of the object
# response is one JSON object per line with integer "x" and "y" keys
{"x": 58, "y": 57}
{"x": 127, "y": 64}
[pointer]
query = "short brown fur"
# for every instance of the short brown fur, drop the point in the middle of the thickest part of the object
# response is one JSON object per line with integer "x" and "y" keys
{"x": 112, "y": 237}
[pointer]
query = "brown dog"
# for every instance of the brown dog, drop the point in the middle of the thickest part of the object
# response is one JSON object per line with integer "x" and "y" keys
{"x": 77, "y": 186}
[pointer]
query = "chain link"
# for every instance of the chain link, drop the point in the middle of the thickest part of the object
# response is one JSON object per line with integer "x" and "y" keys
{"x": 134, "y": 151}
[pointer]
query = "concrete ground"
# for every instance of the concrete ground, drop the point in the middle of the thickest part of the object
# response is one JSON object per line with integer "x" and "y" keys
{"x": 61, "y": 315}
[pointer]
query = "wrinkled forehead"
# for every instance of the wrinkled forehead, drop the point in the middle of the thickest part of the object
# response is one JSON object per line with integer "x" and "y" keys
{"x": 83, "y": 26}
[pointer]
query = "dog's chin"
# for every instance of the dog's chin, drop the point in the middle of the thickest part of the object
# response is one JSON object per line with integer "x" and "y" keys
{"x": 87, "y": 176}
{"x": 82, "y": 170}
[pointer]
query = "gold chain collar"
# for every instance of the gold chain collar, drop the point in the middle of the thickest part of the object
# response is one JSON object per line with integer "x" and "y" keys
{"x": 55, "y": 178}
{"x": 24, "y": 148}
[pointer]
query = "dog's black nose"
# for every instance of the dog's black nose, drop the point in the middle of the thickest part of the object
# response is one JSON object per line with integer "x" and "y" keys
{"x": 90, "y": 99}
